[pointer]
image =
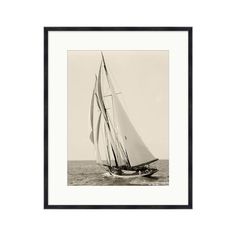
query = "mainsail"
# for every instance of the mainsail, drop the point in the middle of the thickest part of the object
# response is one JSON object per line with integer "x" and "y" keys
{"x": 124, "y": 146}
{"x": 138, "y": 153}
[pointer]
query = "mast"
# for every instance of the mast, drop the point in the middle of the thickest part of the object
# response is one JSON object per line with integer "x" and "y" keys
{"x": 105, "y": 114}
{"x": 120, "y": 147}
{"x": 122, "y": 142}
{"x": 137, "y": 152}
{"x": 107, "y": 126}
{"x": 107, "y": 145}
{"x": 114, "y": 154}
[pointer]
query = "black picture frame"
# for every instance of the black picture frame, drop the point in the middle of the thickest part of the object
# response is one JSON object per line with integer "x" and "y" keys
{"x": 46, "y": 109}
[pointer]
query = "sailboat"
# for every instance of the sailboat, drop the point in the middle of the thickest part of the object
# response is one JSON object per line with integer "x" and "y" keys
{"x": 113, "y": 134}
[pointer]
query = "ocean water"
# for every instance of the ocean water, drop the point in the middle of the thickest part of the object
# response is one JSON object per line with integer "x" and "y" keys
{"x": 90, "y": 174}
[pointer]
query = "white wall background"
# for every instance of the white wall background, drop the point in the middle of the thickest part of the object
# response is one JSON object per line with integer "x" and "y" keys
{"x": 21, "y": 120}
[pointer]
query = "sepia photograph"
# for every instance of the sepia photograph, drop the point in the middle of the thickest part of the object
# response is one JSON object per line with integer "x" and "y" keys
{"x": 118, "y": 117}
{"x": 117, "y": 131}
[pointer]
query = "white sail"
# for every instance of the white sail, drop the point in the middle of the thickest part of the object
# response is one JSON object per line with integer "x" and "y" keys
{"x": 114, "y": 146}
{"x": 96, "y": 143}
{"x": 138, "y": 153}
{"x": 123, "y": 145}
{"x": 107, "y": 146}
{"x": 94, "y": 135}
{"x": 91, "y": 119}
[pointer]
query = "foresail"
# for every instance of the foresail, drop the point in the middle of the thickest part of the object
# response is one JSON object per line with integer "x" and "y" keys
{"x": 100, "y": 97}
{"x": 91, "y": 137}
{"x": 96, "y": 143}
{"x": 101, "y": 105}
{"x": 107, "y": 146}
{"x": 92, "y": 114}
{"x": 91, "y": 119}
{"x": 137, "y": 151}
{"x": 94, "y": 134}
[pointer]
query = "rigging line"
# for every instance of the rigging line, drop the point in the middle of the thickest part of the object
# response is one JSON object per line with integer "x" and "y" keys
{"x": 99, "y": 91}
{"x": 97, "y": 138}
{"x": 114, "y": 156}
{"x": 114, "y": 127}
{"x": 104, "y": 139}
{"x": 112, "y": 140}
{"x": 105, "y": 122}
{"x": 101, "y": 102}
{"x": 107, "y": 145}
{"x": 119, "y": 145}
{"x": 108, "y": 95}
{"x": 111, "y": 78}
{"x": 125, "y": 153}
{"x": 116, "y": 141}
{"x": 111, "y": 88}
{"x": 110, "y": 74}
{"x": 103, "y": 110}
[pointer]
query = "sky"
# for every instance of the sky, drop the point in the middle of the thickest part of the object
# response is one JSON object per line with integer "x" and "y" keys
{"x": 142, "y": 79}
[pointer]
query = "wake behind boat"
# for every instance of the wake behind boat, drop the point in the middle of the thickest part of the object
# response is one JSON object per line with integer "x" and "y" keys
{"x": 113, "y": 134}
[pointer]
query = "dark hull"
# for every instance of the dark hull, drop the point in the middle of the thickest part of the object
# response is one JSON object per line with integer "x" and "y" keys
{"x": 133, "y": 174}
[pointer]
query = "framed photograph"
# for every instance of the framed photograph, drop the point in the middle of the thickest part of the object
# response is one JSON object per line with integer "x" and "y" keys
{"x": 118, "y": 118}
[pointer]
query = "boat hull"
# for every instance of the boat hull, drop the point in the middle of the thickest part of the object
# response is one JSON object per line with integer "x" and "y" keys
{"x": 132, "y": 174}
